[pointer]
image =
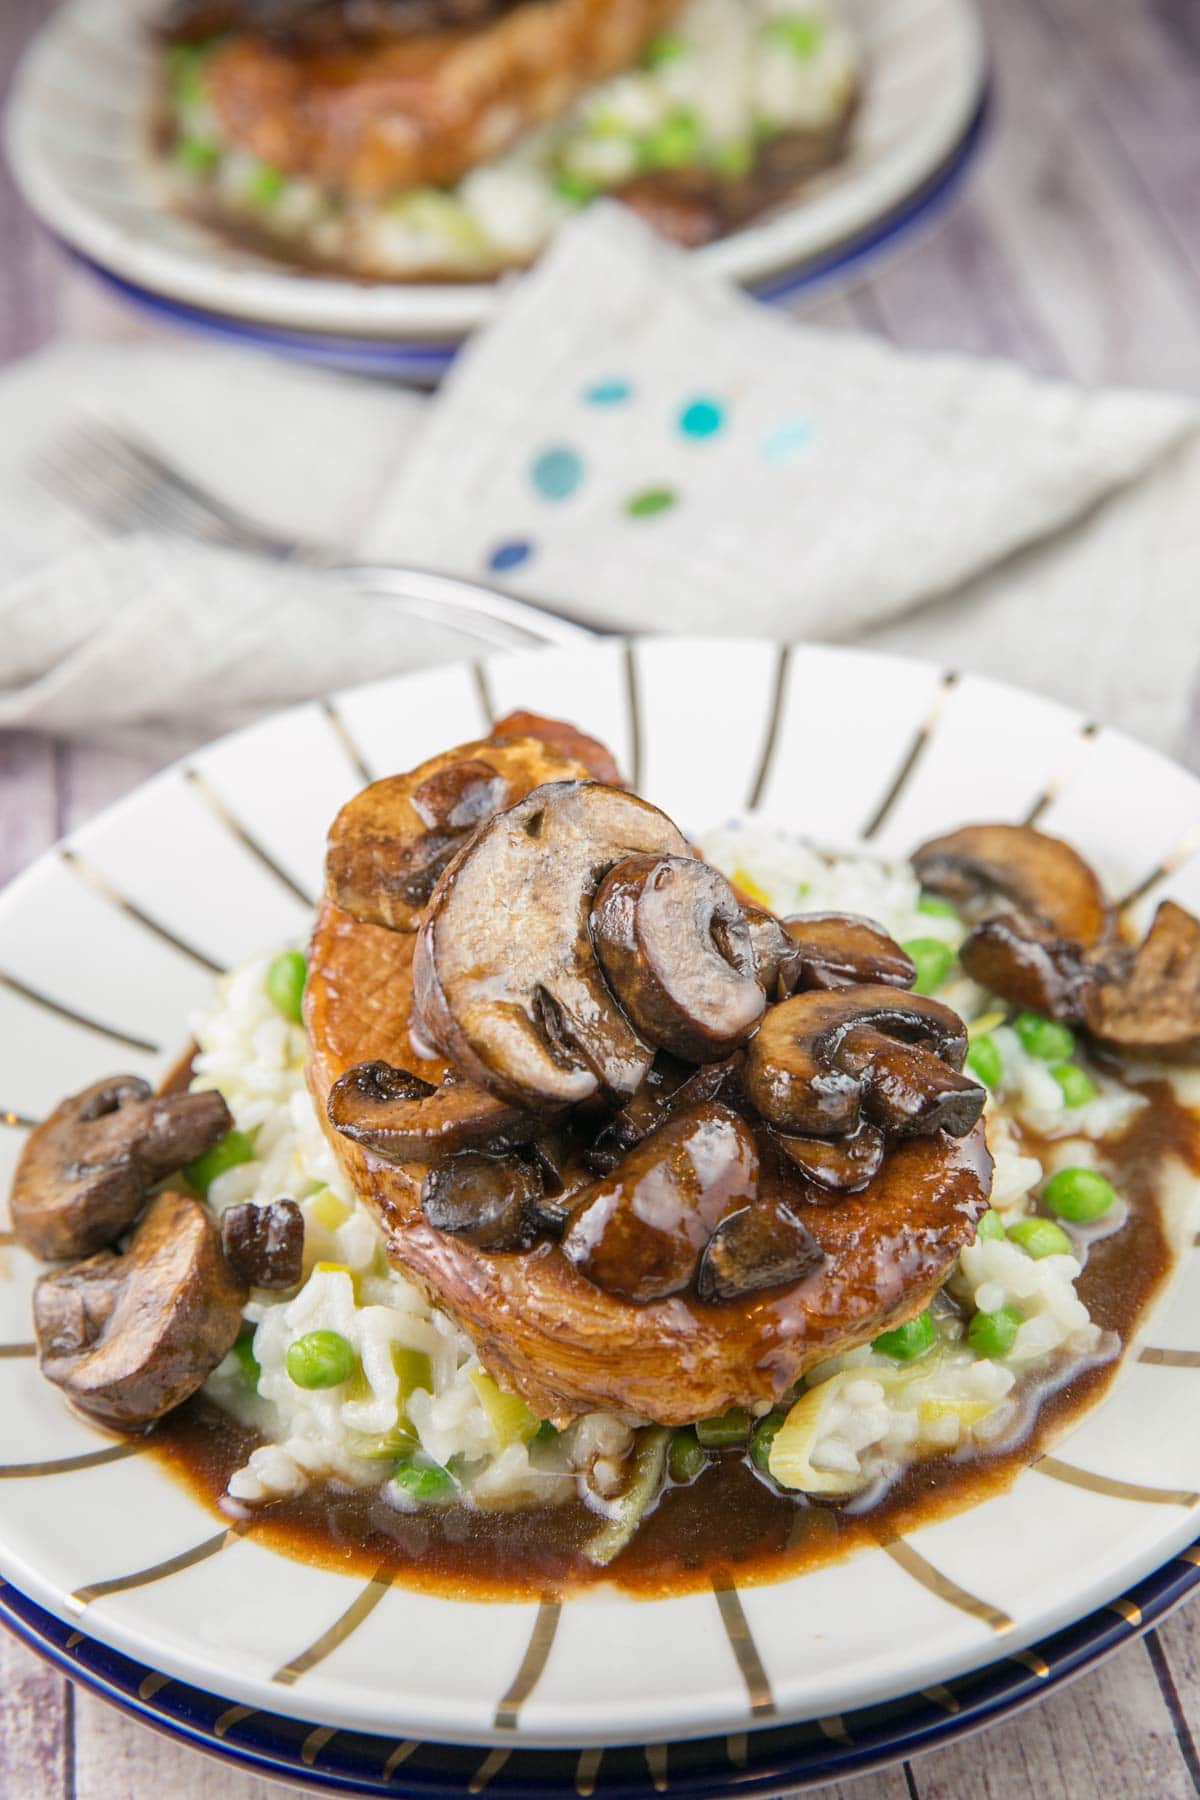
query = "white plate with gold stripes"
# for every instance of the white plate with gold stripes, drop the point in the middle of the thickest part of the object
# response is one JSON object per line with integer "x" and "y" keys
{"x": 77, "y": 137}
{"x": 107, "y": 945}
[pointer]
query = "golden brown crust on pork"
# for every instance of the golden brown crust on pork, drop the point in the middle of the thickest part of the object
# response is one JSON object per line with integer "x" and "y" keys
{"x": 372, "y": 119}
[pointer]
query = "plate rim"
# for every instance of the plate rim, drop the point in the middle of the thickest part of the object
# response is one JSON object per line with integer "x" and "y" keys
{"x": 798, "y": 1771}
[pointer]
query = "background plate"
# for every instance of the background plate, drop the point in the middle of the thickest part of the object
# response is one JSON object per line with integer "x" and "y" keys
{"x": 106, "y": 947}
{"x": 75, "y": 133}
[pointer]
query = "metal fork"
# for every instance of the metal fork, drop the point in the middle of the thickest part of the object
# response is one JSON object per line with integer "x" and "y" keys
{"x": 124, "y": 485}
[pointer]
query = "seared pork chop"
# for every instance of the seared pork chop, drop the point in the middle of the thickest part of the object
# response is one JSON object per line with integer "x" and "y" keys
{"x": 568, "y": 1347}
{"x": 378, "y": 117}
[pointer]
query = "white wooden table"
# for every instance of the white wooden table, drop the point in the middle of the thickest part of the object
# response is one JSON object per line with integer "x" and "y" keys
{"x": 1075, "y": 250}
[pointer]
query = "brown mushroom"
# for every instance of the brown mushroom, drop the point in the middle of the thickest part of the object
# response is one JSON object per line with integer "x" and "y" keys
{"x": 486, "y": 1199}
{"x": 1154, "y": 1007}
{"x": 908, "y": 1090}
{"x": 129, "y": 1337}
{"x": 833, "y": 950}
{"x": 404, "y": 1119}
{"x": 757, "y": 1247}
{"x": 771, "y": 948}
{"x": 86, "y": 1171}
{"x": 389, "y": 844}
{"x": 804, "y": 1078}
{"x": 1030, "y": 966}
{"x": 669, "y": 1087}
{"x": 839, "y": 1165}
{"x": 564, "y": 739}
{"x": 264, "y": 1245}
{"x": 676, "y": 949}
{"x": 505, "y": 976}
{"x": 639, "y": 1233}
{"x": 1039, "y": 875}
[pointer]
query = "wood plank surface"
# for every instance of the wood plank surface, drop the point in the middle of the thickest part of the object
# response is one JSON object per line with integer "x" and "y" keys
{"x": 1074, "y": 248}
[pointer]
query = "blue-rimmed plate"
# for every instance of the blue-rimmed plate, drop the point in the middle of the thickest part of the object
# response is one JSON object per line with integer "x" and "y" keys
{"x": 76, "y": 140}
{"x": 107, "y": 946}
{"x": 763, "y": 1762}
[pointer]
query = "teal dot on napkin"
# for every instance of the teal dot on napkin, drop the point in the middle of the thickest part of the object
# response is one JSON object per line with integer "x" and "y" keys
{"x": 509, "y": 555}
{"x": 650, "y": 502}
{"x": 613, "y": 392}
{"x": 701, "y": 418}
{"x": 787, "y": 439}
{"x": 557, "y": 472}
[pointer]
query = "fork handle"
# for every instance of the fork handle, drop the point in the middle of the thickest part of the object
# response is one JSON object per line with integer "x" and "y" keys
{"x": 498, "y": 618}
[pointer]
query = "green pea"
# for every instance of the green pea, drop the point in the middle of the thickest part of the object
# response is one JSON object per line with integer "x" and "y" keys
{"x": 425, "y": 1481}
{"x": 994, "y": 1334}
{"x": 685, "y": 1457}
{"x": 285, "y": 983}
{"x": 575, "y": 188}
{"x": 666, "y": 48}
{"x": 990, "y": 1226}
{"x": 185, "y": 73}
{"x": 247, "y": 1362}
{"x": 1079, "y": 1195}
{"x": 727, "y": 1431}
{"x": 234, "y": 1148}
{"x": 199, "y": 156}
{"x": 675, "y": 145}
{"x": 762, "y": 1437}
{"x": 1044, "y": 1038}
{"x": 734, "y": 158}
{"x": 1076, "y": 1084}
{"x": 908, "y": 1341}
{"x": 321, "y": 1359}
{"x": 985, "y": 1061}
{"x": 801, "y": 33}
{"x": 932, "y": 959}
{"x": 265, "y": 185}
{"x": 1041, "y": 1237}
{"x": 934, "y": 907}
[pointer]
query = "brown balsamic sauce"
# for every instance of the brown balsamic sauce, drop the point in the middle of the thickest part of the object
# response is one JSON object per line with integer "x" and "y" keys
{"x": 729, "y": 1520}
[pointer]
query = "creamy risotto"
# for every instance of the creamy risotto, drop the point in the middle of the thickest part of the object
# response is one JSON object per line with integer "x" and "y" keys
{"x": 416, "y": 1416}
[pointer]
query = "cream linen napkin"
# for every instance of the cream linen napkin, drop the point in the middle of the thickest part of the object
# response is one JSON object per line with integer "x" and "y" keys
{"x": 642, "y": 444}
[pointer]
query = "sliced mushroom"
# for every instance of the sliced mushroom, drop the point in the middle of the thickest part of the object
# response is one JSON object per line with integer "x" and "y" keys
{"x": 840, "y": 1165}
{"x": 404, "y": 1119}
{"x": 676, "y": 949}
{"x": 1030, "y": 966}
{"x": 505, "y": 976}
{"x": 799, "y": 1074}
{"x": 264, "y": 1245}
{"x": 129, "y": 1337}
{"x": 1038, "y": 874}
{"x": 771, "y": 948}
{"x": 1155, "y": 1006}
{"x": 565, "y": 740}
{"x": 640, "y": 1232}
{"x": 760, "y": 1246}
{"x": 389, "y": 844}
{"x": 669, "y": 1087}
{"x": 86, "y": 1171}
{"x": 833, "y": 950}
{"x": 485, "y": 1199}
{"x": 909, "y": 1091}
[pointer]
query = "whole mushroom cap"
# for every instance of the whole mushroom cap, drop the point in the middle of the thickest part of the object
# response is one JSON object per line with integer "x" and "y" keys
{"x": 86, "y": 1171}
{"x": 1040, "y": 875}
